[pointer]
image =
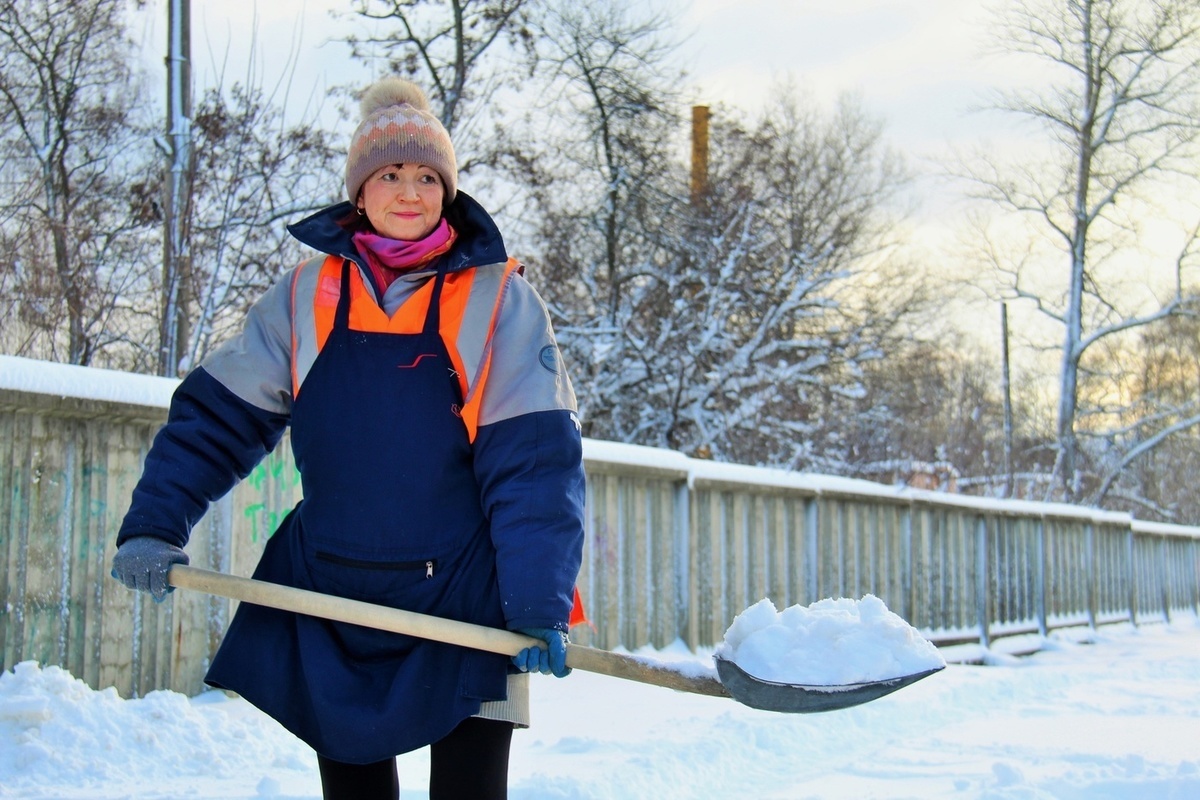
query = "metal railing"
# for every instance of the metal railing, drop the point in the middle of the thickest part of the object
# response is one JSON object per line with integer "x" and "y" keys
{"x": 675, "y": 547}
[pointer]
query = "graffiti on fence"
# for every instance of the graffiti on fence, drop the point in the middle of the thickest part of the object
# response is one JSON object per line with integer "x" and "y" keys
{"x": 277, "y": 466}
{"x": 261, "y": 519}
{"x": 274, "y": 480}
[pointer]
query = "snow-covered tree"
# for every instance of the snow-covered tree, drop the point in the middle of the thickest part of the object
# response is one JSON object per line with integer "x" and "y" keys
{"x": 793, "y": 288}
{"x": 1119, "y": 114}
{"x": 732, "y": 326}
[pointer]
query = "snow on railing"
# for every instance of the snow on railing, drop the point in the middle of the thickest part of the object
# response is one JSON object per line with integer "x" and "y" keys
{"x": 959, "y": 567}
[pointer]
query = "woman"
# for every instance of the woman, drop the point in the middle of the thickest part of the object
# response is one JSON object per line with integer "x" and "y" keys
{"x": 433, "y": 426}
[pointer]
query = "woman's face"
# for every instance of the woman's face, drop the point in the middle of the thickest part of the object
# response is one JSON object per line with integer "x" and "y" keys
{"x": 403, "y": 201}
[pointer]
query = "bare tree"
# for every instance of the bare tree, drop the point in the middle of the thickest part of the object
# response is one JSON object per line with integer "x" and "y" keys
{"x": 612, "y": 89}
{"x": 596, "y": 156}
{"x": 1146, "y": 459}
{"x": 456, "y": 50}
{"x": 928, "y": 402}
{"x": 1121, "y": 116}
{"x": 255, "y": 172}
{"x": 75, "y": 237}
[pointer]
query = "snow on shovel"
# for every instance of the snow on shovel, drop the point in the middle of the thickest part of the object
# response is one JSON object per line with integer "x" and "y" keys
{"x": 769, "y": 693}
{"x": 829, "y": 655}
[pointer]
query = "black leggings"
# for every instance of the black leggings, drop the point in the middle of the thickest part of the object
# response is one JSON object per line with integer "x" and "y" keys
{"x": 471, "y": 762}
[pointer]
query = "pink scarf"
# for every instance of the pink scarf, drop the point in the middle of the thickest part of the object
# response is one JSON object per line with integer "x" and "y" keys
{"x": 391, "y": 258}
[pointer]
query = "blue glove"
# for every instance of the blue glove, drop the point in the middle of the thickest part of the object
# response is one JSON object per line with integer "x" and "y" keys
{"x": 142, "y": 563}
{"x": 549, "y": 660}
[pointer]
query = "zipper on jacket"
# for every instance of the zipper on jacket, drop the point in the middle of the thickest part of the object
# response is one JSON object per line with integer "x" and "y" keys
{"x": 360, "y": 563}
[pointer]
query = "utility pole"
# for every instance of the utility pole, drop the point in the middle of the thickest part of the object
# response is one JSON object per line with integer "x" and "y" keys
{"x": 1006, "y": 385}
{"x": 177, "y": 255}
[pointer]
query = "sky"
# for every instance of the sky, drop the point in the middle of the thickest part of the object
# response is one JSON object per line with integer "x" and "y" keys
{"x": 1112, "y": 714}
{"x": 919, "y": 64}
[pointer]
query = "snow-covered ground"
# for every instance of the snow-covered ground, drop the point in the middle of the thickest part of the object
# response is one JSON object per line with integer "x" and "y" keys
{"x": 1117, "y": 717}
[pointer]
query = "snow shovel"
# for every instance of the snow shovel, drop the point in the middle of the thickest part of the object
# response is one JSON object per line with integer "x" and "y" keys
{"x": 733, "y": 682}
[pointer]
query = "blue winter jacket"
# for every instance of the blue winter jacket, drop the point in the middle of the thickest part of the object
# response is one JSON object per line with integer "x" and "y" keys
{"x": 230, "y": 411}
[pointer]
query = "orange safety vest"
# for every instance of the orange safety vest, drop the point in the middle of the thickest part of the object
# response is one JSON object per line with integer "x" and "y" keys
{"x": 366, "y": 315}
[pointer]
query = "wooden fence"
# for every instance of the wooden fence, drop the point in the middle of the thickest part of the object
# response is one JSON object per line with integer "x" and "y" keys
{"x": 675, "y": 547}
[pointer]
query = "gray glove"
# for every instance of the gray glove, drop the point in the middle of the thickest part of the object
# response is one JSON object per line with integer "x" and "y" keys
{"x": 142, "y": 563}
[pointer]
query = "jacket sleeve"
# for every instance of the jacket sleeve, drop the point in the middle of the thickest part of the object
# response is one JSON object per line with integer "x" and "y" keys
{"x": 225, "y": 416}
{"x": 529, "y": 462}
{"x": 211, "y": 441}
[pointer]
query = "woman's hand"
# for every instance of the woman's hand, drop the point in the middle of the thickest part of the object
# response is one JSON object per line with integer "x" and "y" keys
{"x": 549, "y": 660}
{"x": 142, "y": 563}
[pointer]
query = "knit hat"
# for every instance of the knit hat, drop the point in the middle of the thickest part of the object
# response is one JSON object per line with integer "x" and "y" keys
{"x": 397, "y": 128}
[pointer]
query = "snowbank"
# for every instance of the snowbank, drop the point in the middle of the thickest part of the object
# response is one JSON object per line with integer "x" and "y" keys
{"x": 55, "y": 729}
{"x": 1117, "y": 718}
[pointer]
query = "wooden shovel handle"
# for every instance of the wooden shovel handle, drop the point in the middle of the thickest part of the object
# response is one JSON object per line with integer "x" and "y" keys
{"x": 423, "y": 626}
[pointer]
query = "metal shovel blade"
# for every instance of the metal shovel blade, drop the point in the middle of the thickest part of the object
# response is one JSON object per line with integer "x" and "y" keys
{"x": 795, "y": 698}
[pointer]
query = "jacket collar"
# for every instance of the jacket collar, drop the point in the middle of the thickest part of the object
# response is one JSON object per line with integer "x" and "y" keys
{"x": 479, "y": 241}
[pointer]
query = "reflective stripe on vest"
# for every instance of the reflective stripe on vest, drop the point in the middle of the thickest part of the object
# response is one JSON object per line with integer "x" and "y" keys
{"x": 470, "y": 306}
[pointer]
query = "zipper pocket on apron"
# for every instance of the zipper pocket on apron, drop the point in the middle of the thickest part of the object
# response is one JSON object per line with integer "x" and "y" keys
{"x": 429, "y": 565}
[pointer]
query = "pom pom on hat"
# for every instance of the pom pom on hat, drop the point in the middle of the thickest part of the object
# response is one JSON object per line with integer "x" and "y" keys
{"x": 392, "y": 91}
{"x": 398, "y": 128}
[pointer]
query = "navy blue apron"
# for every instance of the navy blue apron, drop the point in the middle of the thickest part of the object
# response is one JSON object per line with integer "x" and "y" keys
{"x": 391, "y": 515}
